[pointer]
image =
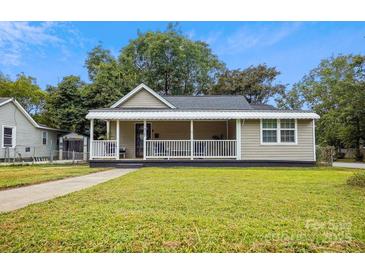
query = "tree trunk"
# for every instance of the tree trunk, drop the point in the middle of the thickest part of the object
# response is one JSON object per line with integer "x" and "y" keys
{"x": 358, "y": 154}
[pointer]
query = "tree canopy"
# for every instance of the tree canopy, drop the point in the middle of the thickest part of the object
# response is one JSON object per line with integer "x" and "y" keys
{"x": 336, "y": 91}
{"x": 65, "y": 107}
{"x": 25, "y": 90}
{"x": 170, "y": 63}
{"x": 109, "y": 81}
{"x": 256, "y": 83}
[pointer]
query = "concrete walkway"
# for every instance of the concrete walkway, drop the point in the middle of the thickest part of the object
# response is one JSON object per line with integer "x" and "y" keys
{"x": 349, "y": 165}
{"x": 20, "y": 197}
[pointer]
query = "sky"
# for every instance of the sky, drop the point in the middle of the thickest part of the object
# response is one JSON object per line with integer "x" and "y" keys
{"x": 49, "y": 51}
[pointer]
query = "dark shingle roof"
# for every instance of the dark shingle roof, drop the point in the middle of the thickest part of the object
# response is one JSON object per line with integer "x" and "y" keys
{"x": 219, "y": 102}
{"x": 262, "y": 107}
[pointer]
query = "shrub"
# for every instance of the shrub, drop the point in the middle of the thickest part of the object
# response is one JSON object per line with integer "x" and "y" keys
{"x": 358, "y": 179}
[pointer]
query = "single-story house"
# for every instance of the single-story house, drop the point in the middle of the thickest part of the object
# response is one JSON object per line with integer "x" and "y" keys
{"x": 145, "y": 128}
{"x": 21, "y": 136}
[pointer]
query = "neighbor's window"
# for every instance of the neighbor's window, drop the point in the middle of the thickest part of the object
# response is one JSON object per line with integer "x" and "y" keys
{"x": 278, "y": 131}
{"x": 8, "y": 136}
{"x": 269, "y": 131}
{"x": 44, "y": 137}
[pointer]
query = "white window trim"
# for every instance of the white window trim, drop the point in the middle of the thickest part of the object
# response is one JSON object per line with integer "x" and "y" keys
{"x": 44, "y": 131}
{"x": 13, "y": 137}
{"x": 278, "y": 134}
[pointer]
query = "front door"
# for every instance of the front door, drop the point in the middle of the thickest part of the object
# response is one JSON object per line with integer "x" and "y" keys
{"x": 139, "y": 139}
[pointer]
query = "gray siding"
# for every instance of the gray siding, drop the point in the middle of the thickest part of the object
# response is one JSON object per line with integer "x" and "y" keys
{"x": 143, "y": 99}
{"x": 27, "y": 135}
{"x": 127, "y": 136}
{"x": 251, "y": 148}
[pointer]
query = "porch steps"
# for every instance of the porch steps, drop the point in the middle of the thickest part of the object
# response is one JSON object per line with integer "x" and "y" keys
{"x": 131, "y": 165}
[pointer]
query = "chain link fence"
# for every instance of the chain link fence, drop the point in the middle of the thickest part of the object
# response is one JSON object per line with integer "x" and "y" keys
{"x": 27, "y": 154}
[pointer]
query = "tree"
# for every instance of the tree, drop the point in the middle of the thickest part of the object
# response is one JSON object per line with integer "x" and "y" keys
{"x": 65, "y": 106}
{"x": 109, "y": 84}
{"x": 25, "y": 90}
{"x": 109, "y": 80}
{"x": 256, "y": 83}
{"x": 291, "y": 99}
{"x": 96, "y": 59}
{"x": 170, "y": 63}
{"x": 336, "y": 91}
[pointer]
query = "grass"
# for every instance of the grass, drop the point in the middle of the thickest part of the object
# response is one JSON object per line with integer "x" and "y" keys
{"x": 16, "y": 176}
{"x": 198, "y": 210}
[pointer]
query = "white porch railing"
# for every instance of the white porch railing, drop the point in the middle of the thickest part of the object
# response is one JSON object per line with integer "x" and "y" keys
{"x": 214, "y": 148}
{"x": 170, "y": 149}
{"x": 103, "y": 149}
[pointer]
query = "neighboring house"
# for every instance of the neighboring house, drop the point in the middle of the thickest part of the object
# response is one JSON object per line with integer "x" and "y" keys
{"x": 21, "y": 136}
{"x": 148, "y": 129}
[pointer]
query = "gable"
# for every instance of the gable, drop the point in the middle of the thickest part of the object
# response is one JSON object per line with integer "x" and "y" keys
{"x": 12, "y": 111}
{"x": 143, "y": 99}
{"x": 11, "y": 115}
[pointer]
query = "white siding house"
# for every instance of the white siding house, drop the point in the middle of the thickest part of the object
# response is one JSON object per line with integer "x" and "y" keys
{"x": 21, "y": 136}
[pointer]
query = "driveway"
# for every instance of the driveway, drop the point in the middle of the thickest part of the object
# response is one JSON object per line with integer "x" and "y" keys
{"x": 349, "y": 165}
{"x": 13, "y": 199}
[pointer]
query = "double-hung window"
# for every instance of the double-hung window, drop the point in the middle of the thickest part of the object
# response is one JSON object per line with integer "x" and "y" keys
{"x": 44, "y": 137}
{"x": 8, "y": 136}
{"x": 269, "y": 131}
{"x": 278, "y": 131}
{"x": 287, "y": 131}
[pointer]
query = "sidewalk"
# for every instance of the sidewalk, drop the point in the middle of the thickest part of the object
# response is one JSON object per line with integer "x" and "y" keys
{"x": 349, "y": 165}
{"x": 13, "y": 199}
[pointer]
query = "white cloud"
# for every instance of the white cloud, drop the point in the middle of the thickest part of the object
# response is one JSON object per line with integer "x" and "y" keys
{"x": 212, "y": 37}
{"x": 19, "y": 38}
{"x": 257, "y": 36}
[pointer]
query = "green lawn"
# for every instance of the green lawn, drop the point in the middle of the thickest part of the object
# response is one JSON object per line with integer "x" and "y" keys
{"x": 15, "y": 176}
{"x": 198, "y": 210}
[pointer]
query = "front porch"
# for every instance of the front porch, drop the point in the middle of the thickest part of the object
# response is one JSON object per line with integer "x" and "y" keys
{"x": 167, "y": 140}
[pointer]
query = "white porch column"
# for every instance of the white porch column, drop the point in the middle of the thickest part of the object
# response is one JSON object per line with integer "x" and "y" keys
{"x": 91, "y": 138}
{"x": 227, "y": 130}
{"x": 314, "y": 141}
{"x": 144, "y": 138}
{"x": 108, "y": 130}
{"x": 191, "y": 139}
{"x": 117, "y": 133}
{"x": 238, "y": 139}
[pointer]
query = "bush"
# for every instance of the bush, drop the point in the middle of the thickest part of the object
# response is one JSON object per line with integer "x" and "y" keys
{"x": 358, "y": 179}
